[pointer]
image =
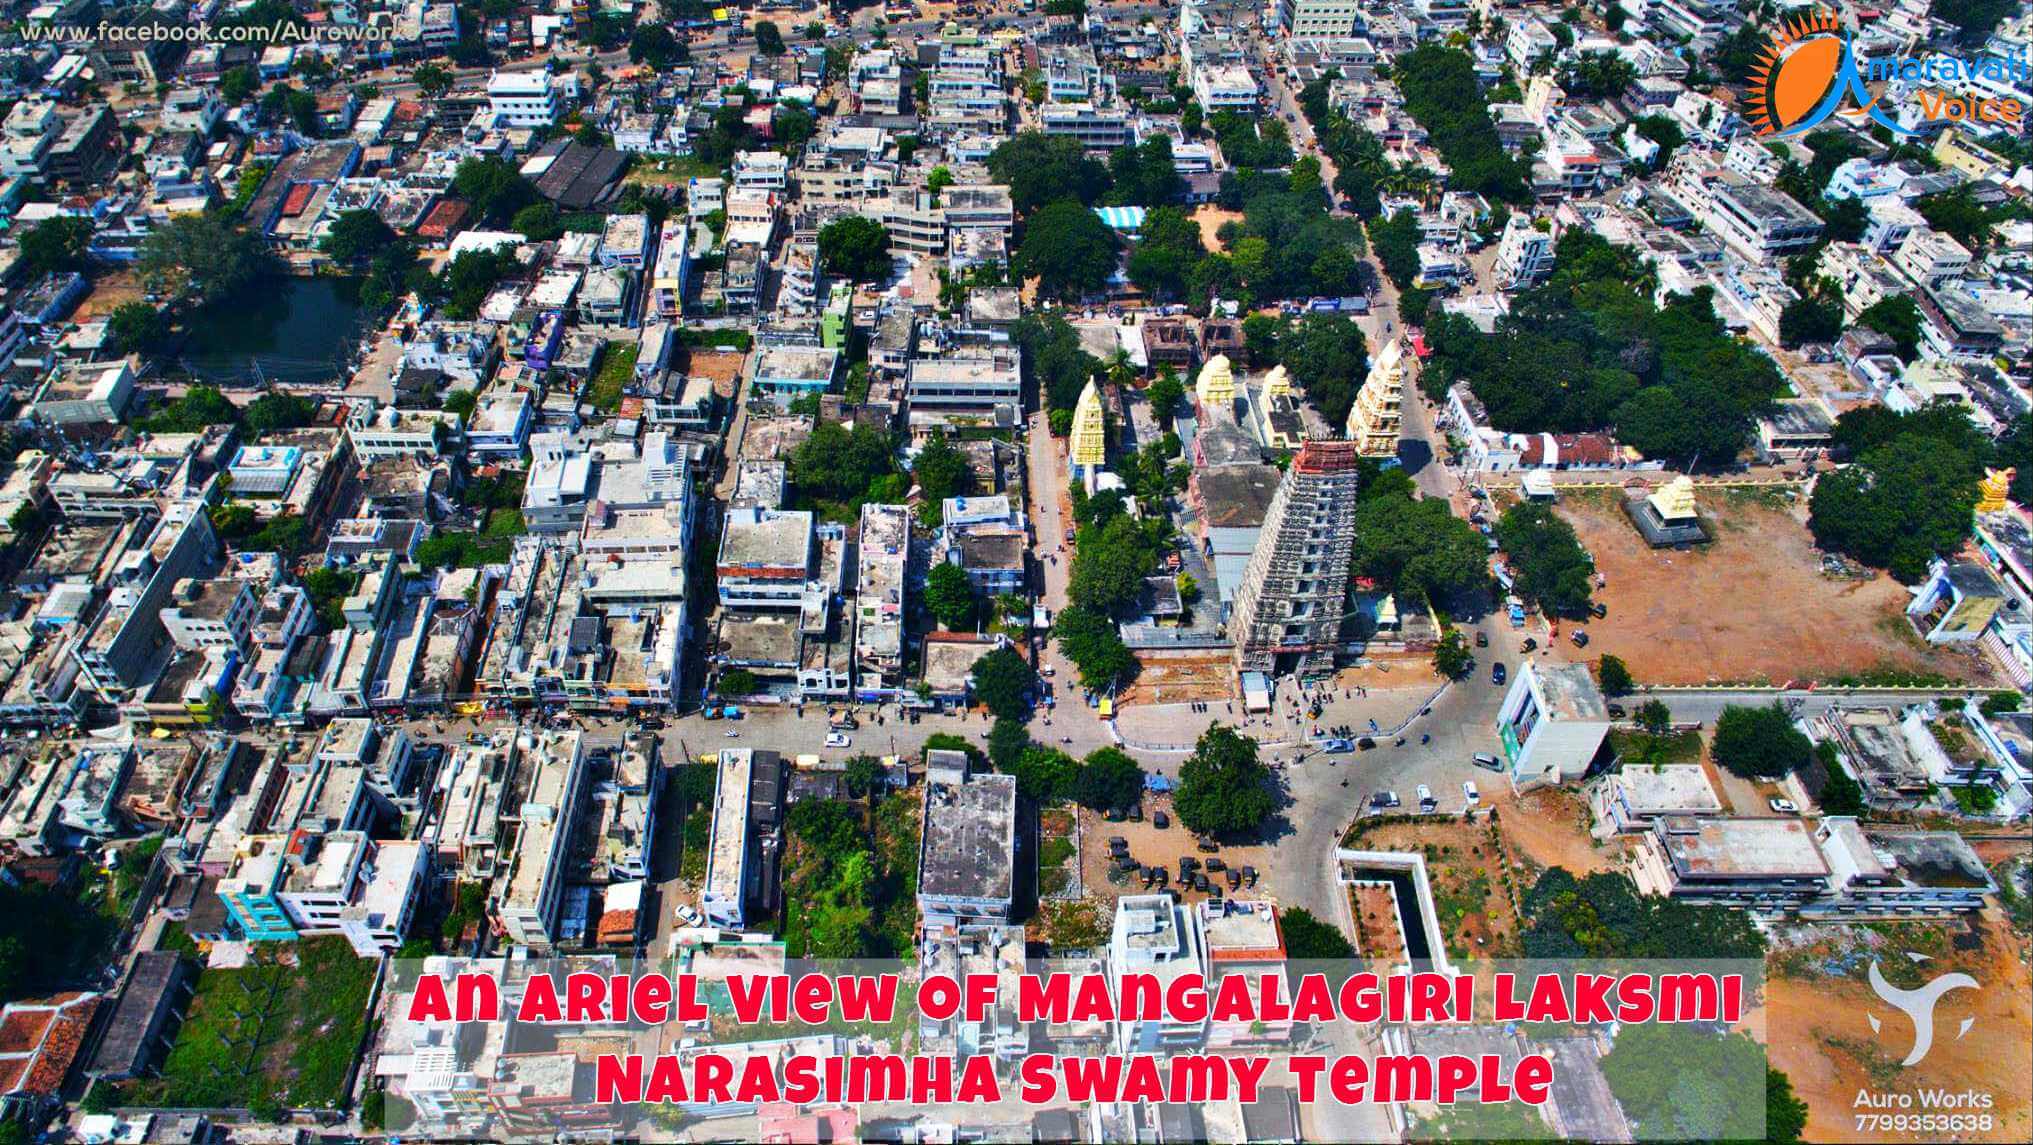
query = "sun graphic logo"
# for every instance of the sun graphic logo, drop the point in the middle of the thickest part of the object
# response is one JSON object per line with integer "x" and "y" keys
{"x": 1802, "y": 76}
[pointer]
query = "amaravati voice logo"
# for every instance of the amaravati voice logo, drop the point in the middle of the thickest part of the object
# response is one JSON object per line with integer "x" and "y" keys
{"x": 1803, "y": 75}
{"x": 1918, "y": 1005}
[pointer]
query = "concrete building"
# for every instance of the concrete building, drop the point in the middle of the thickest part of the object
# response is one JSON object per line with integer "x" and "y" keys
{"x": 967, "y": 848}
{"x": 1552, "y": 723}
{"x": 765, "y": 558}
{"x": 1155, "y": 935}
{"x": 523, "y": 99}
{"x": 746, "y": 845}
{"x": 534, "y": 884}
{"x": 881, "y": 602}
{"x": 1290, "y": 604}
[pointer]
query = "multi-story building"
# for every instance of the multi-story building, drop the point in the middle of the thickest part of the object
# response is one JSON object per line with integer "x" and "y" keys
{"x": 765, "y": 558}
{"x": 1097, "y": 128}
{"x": 534, "y": 883}
{"x": 1524, "y": 253}
{"x": 523, "y": 99}
{"x": 119, "y": 649}
{"x": 1308, "y": 18}
{"x": 1552, "y": 722}
{"x": 1758, "y": 222}
{"x": 1160, "y": 937}
{"x": 967, "y": 850}
{"x": 881, "y": 602}
{"x": 746, "y": 846}
{"x": 1289, "y": 606}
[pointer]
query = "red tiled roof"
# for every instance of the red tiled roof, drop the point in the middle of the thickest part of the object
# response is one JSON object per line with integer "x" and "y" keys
{"x": 40, "y": 1040}
{"x": 298, "y": 198}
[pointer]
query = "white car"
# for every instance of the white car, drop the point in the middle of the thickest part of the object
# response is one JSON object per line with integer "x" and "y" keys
{"x": 688, "y": 916}
{"x": 1469, "y": 792}
{"x": 837, "y": 739}
{"x": 1425, "y": 794}
{"x": 1784, "y": 806}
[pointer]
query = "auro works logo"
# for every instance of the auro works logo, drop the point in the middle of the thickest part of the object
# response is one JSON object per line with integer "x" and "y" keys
{"x": 1812, "y": 65}
{"x": 1918, "y": 1005}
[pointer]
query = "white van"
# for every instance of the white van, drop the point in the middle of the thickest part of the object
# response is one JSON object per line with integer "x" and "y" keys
{"x": 1469, "y": 792}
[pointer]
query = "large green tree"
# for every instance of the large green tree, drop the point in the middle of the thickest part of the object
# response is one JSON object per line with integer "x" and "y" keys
{"x": 855, "y": 248}
{"x": 1760, "y": 742}
{"x": 1040, "y": 169}
{"x": 1068, "y": 249}
{"x": 1547, "y": 560}
{"x": 1418, "y": 549}
{"x": 1899, "y": 505}
{"x": 1108, "y": 778}
{"x": 1223, "y": 788}
{"x": 204, "y": 257}
{"x": 1000, "y": 680}
{"x": 1090, "y": 639}
{"x": 949, "y": 596}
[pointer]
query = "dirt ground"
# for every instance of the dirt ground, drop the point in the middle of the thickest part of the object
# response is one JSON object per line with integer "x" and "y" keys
{"x": 1752, "y": 605}
{"x": 1153, "y": 847}
{"x": 1210, "y": 220}
{"x": 1376, "y": 923}
{"x": 110, "y": 289}
{"x": 1818, "y": 1020}
{"x": 1170, "y": 680}
{"x": 723, "y": 366}
{"x": 1550, "y": 828}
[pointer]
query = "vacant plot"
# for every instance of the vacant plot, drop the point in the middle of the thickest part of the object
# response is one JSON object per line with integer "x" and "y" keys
{"x": 1820, "y": 1006}
{"x": 1211, "y": 220}
{"x": 617, "y": 368}
{"x": 1753, "y": 605}
{"x": 1177, "y": 679}
{"x": 1058, "y": 855}
{"x": 281, "y": 1031}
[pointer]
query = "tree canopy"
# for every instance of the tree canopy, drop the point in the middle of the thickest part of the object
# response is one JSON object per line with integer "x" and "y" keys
{"x": 856, "y": 248}
{"x": 1091, "y": 641}
{"x": 949, "y": 596}
{"x": 1589, "y": 351}
{"x": 1546, "y": 558}
{"x": 203, "y": 256}
{"x": 1068, "y": 249}
{"x": 1328, "y": 357}
{"x": 1441, "y": 92}
{"x": 1223, "y": 788}
{"x": 840, "y": 464}
{"x": 1108, "y": 778}
{"x": 1417, "y": 549}
{"x": 1909, "y": 494}
{"x": 1000, "y": 680}
{"x": 1760, "y": 742}
{"x": 1040, "y": 169}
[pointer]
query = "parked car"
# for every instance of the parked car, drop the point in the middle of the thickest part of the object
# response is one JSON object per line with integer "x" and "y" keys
{"x": 1426, "y": 800}
{"x": 1580, "y": 638}
{"x": 837, "y": 739}
{"x": 1482, "y": 640}
{"x": 1784, "y": 806}
{"x": 1384, "y": 799}
{"x": 1497, "y": 675}
{"x": 1160, "y": 820}
{"x": 1487, "y": 761}
{"x": 1469, "y": 792}
{"x": 688, "y": 916}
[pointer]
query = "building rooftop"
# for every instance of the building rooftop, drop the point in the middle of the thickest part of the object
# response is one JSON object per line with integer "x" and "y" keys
{"x": 1568, "y": 691}
{"x": 1741, "y": 848}
{"x": 1236, "y": 496}
{"x": 1677, "y": 789}
{"x": 969, "y": 849}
